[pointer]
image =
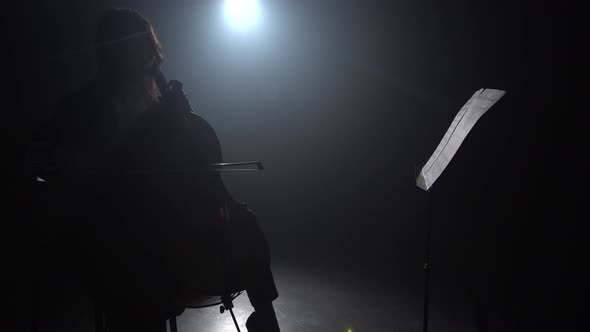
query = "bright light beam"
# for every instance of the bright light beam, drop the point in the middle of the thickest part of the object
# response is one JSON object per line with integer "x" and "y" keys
{"x": 242, "y": 14}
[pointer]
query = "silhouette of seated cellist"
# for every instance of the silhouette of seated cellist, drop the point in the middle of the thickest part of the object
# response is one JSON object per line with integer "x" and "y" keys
{"x": 145, "y": 213}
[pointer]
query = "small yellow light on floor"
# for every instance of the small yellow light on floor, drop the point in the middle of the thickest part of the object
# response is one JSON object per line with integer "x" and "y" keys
{"x": 349, "y": 330}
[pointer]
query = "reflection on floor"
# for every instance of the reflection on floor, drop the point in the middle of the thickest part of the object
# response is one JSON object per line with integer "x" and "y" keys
{"x": 321, "y": 300}
{"x": 313, "y": 298}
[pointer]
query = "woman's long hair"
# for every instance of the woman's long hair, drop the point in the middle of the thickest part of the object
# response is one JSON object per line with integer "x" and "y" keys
{"x": 127, "y": 53}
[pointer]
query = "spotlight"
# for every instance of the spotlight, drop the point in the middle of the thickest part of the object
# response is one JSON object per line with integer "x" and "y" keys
{"x": 242, "y": 14}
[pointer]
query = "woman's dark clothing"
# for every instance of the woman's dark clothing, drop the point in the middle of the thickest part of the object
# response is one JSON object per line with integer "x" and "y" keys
{"x": 144, "y": 226}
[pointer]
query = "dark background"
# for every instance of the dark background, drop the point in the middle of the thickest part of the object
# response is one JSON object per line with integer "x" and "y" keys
{"x": 342, "y": 101}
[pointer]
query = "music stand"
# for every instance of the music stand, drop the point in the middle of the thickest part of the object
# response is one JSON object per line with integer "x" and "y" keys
{"x": 476, "y": 106}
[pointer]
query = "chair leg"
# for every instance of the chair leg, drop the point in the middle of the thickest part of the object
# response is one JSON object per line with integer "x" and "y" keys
{"x": 234, "y": 318}
{"x": 229, "y": 305}
{"x": 98, "y": 319}
{"x": 173, "y": 327}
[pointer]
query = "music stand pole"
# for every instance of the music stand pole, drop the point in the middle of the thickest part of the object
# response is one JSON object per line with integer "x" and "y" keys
{"x": 427, "y": 261}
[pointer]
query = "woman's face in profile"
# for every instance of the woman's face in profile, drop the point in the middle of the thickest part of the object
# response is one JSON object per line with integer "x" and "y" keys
{"x": 137, "y": 56}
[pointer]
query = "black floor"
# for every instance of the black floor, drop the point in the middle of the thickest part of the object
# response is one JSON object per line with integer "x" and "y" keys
{"x": 316, "y": 299}
{"x": 313, "y": 297}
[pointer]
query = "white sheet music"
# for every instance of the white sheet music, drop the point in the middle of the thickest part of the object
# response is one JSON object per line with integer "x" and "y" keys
{"x": 476, "y": 106}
